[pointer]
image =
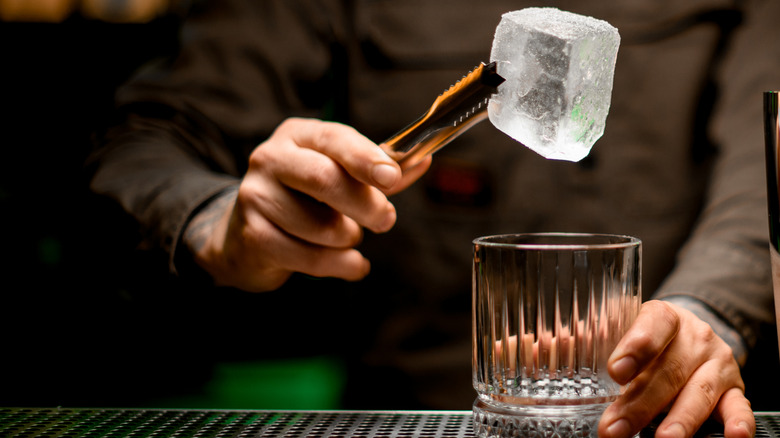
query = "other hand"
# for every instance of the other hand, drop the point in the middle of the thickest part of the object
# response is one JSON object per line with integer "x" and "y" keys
{"x": 672, "y": 359}
{"x": 309, "y": 191}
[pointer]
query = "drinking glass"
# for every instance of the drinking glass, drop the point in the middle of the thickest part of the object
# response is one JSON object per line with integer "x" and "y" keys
{"x": 548, "y": 309}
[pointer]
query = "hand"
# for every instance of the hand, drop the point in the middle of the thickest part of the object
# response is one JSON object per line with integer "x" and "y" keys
{"x": 308, "y": 192}
{"x": 673, "y": 359}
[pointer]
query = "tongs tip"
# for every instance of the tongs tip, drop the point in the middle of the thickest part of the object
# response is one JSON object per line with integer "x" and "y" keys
{"x": 460, "y": 107}
{"x": 490, "y": 76}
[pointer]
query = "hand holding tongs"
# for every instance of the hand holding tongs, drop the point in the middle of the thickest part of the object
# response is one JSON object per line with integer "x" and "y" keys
{"x": 456, "y": 110}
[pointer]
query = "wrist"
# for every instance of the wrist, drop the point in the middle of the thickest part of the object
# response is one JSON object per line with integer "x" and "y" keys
{"x": 204, "y": 235}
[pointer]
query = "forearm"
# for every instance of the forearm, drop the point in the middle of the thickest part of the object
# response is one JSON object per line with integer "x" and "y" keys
{"x": 149, "y": 173}
{"x": 725, "y": 264}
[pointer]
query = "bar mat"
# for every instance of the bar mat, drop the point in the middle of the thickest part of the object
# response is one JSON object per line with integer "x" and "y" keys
{"x": 94, "y": 423}
{"x": 18, "y": 422}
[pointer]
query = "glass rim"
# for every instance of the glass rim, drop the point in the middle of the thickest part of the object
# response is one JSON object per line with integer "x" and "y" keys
{"x": 568, "y": 241}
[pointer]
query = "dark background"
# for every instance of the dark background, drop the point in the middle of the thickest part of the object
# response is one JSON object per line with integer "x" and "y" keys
{"x": 81, "y": 324}
{"x": 56, "y": 86}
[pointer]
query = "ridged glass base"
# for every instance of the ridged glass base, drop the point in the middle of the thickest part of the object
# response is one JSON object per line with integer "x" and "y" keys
{"x": 537, "y": 421}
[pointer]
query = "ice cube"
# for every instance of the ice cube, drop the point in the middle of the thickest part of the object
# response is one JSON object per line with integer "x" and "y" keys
{"x": 559, "y": 68}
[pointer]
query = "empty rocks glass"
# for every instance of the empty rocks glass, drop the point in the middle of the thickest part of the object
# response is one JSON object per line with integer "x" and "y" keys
{"x": 548, "y": 309}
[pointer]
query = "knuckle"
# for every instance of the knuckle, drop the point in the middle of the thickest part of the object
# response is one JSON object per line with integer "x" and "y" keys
{"x": 250, "y": 230}
{"x": 251, "y": 201}
{"x": 290, "y": 124}
{"x": 725, "y": 355}
{"x": 710, "y": 344}
{"x": 321, "y": 180}
{"x": 703, "y": 333}
{"x": 707, "y": 392}
{"x": 245, "y": 196}
{"x": 256, "y": 158}
{"x": 327, "y": 134}
{"x": 673, "y": 373}
{"x": 729, "y": 370}
{"x": 262, "y": 155}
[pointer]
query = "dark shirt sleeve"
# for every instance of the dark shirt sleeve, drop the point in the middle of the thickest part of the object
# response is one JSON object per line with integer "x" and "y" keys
{"x": 186, "y": 127}
{"x": 725, "y": 264}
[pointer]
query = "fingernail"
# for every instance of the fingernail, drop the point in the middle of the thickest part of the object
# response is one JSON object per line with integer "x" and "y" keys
{"x": 619, "y": 429}
{"x": 385, "y": 175}
{"x": 674, "y": 430}
{"x": 624, "y": 369}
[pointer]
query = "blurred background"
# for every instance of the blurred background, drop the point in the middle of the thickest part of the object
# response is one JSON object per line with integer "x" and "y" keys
{"x": 115, "y": 11}
{"x": 71, "y": 336}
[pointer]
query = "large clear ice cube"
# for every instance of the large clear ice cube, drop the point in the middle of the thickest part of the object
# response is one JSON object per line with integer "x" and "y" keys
{"x": 559, "y": 67}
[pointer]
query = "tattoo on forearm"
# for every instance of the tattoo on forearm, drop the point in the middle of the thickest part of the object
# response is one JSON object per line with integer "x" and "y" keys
{"x": 202, "y": 224}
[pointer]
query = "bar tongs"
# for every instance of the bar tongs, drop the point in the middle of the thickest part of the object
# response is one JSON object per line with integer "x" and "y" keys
{"x": 456, "y": 110}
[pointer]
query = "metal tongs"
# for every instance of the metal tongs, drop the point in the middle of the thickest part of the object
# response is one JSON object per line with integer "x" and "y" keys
{"x": 456, "y": 110}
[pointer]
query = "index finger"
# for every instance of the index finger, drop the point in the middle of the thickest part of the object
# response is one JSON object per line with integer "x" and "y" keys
{"x": 655, "y": 326}
{"x": 363, "y": 159}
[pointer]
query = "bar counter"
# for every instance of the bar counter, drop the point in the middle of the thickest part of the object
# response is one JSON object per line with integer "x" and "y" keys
{"x": 101, "y": 422}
